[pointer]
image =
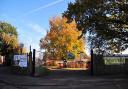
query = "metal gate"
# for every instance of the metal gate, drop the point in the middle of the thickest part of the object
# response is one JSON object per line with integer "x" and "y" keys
{"x": 39, "y": 58}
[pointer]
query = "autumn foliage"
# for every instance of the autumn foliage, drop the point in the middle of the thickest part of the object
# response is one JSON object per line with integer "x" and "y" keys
{"x": 62, "y": 38}
{"x": 9, "y": 42}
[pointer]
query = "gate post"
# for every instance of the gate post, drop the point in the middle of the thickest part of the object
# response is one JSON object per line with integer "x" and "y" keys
{"x": 33, "y": 62}
{"x": 30, "y": 62}
{"x": 92, "y": 71}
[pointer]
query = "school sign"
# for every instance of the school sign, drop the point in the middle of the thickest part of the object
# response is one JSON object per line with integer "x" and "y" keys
{"x": 115, "y": 60}
{"x": 20, "y": 60}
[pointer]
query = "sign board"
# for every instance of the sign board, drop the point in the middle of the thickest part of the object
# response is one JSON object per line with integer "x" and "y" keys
{"x": 20, "y": 60}
{"x": 115, "y": 60}
{"x": 70, "y": 55}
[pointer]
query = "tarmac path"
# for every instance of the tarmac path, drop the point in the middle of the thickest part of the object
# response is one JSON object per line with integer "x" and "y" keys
{"x": 59, "y": 79}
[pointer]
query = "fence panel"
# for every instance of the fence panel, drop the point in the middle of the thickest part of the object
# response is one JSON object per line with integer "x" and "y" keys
{"x": 110, "y": 64}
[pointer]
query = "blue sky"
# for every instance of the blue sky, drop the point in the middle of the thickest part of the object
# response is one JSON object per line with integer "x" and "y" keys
{"x": 31, "y": 17}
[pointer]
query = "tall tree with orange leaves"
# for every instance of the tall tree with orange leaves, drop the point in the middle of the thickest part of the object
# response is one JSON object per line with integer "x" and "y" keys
{"x": 62, "y": 38}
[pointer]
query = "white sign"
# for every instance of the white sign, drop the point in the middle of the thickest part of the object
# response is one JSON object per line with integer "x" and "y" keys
{"x": 20, "y": 60}
{"x": 114, "y": 60}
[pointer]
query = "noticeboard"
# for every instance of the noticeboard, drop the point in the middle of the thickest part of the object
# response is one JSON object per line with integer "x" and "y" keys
{"x": 20, "y": 60}
{"x": 70, "y": 55}
{"x": 115, "y": 60}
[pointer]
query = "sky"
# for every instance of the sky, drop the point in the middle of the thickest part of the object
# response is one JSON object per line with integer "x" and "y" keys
{"x": 31, "y": 17}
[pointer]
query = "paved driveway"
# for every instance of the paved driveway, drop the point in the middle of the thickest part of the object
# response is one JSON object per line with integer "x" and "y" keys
{"x": 62, "y": 80}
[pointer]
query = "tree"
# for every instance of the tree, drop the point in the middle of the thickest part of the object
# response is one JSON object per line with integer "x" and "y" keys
{"x": 106, "y": 21}
{"x": 8, "y": 40}
{"x": 62, "y": 39}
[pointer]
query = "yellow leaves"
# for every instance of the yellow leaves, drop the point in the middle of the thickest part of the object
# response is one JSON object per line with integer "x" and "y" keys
{"x": 9, "y": 40}
{"x": 63, "y": 36}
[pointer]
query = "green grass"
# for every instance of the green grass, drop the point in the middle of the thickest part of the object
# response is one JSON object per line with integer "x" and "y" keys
{"x": 41, "y": 71}
{"x": 19, "y": 70}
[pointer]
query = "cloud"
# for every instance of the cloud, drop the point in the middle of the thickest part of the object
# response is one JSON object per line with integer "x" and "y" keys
{"x": 37, "y": 28}
{"x": 32, "y": 35}
{"x": 30, "y": 41}
{"x": 43, "y": 7}
{"x": 29, "y": 38}
{"x": 37, "y": 32}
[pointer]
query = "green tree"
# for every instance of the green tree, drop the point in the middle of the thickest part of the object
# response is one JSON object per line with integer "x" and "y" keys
{"x": 106, "y": 21}
{"x": 8, "y": 41}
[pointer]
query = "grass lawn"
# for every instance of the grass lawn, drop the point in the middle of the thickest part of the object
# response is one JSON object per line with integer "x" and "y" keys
{"x": 55, "y": 68}
{"x": 74, "y": 68}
